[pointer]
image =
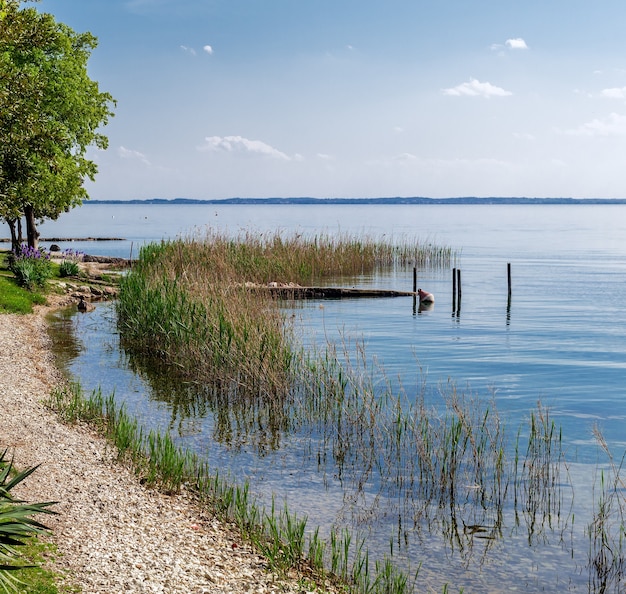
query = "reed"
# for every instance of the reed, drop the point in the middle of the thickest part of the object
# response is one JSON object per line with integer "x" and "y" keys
{"x": 280, "y": 536}
{"x": 432, "y": 460}
{"x": 208, "y": 324}
{"x": 607, "y": 529}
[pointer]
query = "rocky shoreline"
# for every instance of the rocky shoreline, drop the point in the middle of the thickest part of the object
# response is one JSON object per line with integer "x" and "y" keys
{"x": 112, "y": 534}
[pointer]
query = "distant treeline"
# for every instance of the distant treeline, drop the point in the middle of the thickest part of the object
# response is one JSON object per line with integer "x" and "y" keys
{"x": 389, "y": 200}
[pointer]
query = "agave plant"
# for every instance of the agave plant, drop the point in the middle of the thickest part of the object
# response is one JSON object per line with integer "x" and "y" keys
{"x": 16, "y": 523}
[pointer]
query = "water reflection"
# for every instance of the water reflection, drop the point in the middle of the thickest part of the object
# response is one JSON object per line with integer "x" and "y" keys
{"x": 237, "y": 421}
{"x": 382, "y": 467}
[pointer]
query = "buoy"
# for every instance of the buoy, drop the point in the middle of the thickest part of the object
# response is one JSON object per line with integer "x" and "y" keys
{"x": 425, "y": 297}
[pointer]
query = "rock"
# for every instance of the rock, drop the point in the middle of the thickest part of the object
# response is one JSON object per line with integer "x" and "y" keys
{"x": 85, "y": 306}
{"x": 106, "y": 260}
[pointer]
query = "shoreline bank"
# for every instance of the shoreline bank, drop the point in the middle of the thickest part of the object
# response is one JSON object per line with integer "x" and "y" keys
{"x": 112, "y": 534}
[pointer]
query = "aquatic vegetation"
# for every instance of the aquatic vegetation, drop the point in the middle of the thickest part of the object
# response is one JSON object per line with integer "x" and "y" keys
{"x": 189, "y": 303}
{"x": 433, "y": 460}
{"x": 279, "y": 535}
{"x": 607, "y": 530}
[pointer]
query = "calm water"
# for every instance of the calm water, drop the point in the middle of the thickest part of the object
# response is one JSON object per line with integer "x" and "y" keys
{"x": 561, "y": 341}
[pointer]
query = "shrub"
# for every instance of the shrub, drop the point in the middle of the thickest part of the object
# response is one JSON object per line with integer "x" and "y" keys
{"x": 31, "y": 267}
{"x": 69, "y": 265}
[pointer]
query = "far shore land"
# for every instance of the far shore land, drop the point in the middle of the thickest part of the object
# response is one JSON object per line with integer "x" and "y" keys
{"x": 466, "y": 200}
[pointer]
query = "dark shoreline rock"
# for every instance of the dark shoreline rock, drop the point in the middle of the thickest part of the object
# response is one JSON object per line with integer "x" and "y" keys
{"x": 122, "y": 262}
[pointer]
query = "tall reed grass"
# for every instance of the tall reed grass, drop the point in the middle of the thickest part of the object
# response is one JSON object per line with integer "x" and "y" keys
{"x": 607, "y": 529}
{"x": 188, "y": 303}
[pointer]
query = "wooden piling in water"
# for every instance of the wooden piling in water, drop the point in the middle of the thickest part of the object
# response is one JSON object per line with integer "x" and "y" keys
{"x": 508, "y": 274}
{"x": 458, "y": 285}
{"x": 414, "y": 279}
{"x": 454, "y": 289}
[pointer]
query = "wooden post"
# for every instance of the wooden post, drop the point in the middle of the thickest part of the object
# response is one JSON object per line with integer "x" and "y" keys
{"x": 508, "y": 274}
{"x": 454, "y": 289}
{"x": 414, "y": 279}
{"x": 458, "y": 284}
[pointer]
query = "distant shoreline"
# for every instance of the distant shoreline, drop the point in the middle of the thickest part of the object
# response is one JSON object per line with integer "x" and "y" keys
{"x": 360, "y": 201}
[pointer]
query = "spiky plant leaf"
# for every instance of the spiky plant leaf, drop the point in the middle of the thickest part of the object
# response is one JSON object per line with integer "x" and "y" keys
{"x": 16, "y": 522}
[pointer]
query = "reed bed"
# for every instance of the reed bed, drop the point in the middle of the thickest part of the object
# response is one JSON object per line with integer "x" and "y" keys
{"x": 425, "y": 458}
{"x": 189, "y": 303}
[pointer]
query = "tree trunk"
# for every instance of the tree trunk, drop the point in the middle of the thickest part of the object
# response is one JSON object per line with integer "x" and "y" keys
{"x": 32, "y": 234}
{"x": 15, "y": 225}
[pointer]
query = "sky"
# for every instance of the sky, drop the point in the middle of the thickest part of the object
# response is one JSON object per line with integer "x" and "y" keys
{"x": 346, "y": 98}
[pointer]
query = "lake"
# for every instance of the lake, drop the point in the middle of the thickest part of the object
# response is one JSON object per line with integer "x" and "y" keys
{"x": 560, "y": 340}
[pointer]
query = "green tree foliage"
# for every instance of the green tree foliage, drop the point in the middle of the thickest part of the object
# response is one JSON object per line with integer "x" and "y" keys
{"x": 50, "y": 113}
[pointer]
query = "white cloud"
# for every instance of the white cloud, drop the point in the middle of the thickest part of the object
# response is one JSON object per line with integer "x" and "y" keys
{"x": 325, "y": 157}
{"x": 208, "y": 49}
{"x": 239, "y": 144}
{"x": 125, "y": 153}
{"x": 517, "y": 43}
{"x": 404, "y": 158}
{"x": 189, "y": 50}
{"x": 475, "y": 88}
{"x": 615, "y": 93}
{"x": 613, "y": 125}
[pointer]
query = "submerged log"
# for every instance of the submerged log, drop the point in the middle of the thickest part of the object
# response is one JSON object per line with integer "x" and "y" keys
{"x": 290, "y": 292}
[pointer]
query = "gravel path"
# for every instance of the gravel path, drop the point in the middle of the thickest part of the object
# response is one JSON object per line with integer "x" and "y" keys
{"x": 113, "y": 535}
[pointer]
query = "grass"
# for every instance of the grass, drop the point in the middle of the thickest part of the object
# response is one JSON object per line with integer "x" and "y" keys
{"x": 38, "y": 579}
{"x": 186, "y": 304}
{"x": 15, "y": 299}
{"x": 282, "y": 537}
{"x": 189, "y": 302}
{"x": 21, "y": 300}
{"x": 607, "y": 530}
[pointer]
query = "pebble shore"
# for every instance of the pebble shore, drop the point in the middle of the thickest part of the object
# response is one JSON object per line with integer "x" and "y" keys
{"x": 112, "y": 534}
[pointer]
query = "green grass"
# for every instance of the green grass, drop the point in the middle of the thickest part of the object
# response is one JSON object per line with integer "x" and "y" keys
{"x": 279, "y": 535}
{"x": 15, "y": 299}
{"x": 38, "y": 579}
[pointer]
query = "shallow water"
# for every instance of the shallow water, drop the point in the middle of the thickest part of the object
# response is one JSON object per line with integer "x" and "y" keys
{"x": 562, "y": 340}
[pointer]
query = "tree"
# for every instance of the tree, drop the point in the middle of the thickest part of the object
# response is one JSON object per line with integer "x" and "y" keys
{"x": 50, "y": 113}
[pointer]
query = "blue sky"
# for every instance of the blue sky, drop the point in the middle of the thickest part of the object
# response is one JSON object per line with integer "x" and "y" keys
{"x": 346, "y": 98}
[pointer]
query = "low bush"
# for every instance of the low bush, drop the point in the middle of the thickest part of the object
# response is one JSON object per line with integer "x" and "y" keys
{"x": 69, "y": 265}
{"x": 31, "y": 267}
